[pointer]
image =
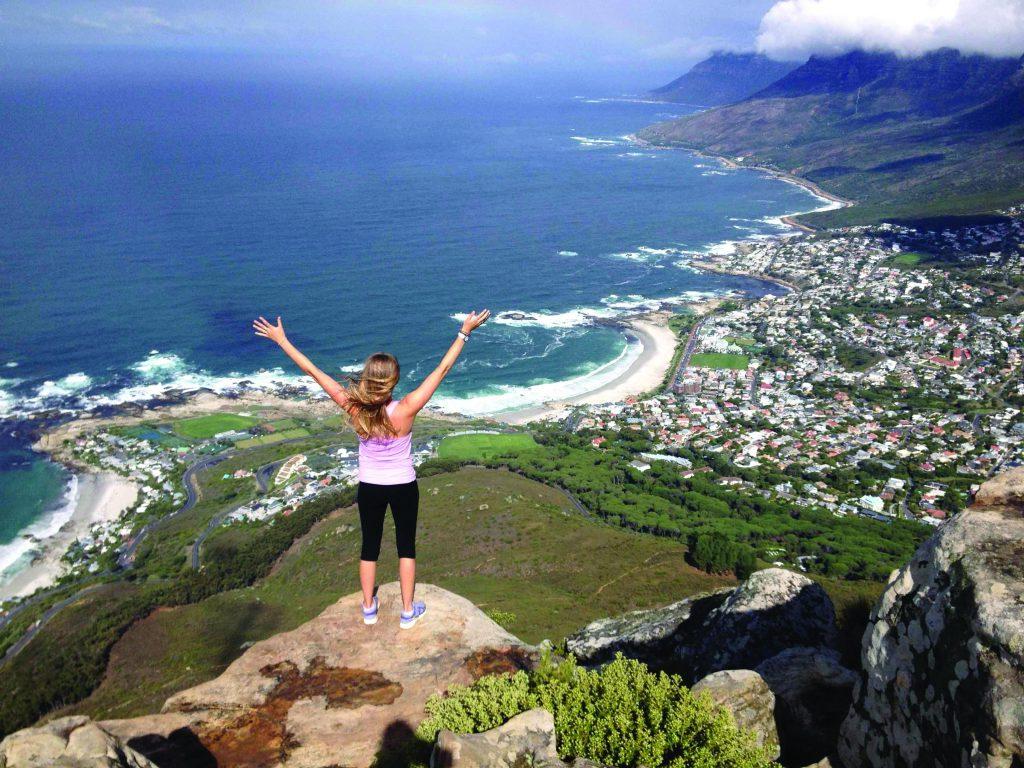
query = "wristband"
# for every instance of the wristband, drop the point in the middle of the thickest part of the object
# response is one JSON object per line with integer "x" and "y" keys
{"x": 463, "y": 335}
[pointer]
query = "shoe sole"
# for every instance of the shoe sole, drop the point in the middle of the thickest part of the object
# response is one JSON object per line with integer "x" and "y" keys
{"x": 370, "y": 622}
{"x": 402, "y": 624}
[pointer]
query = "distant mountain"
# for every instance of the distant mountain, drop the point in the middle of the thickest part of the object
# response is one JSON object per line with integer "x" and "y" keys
{"x": 724, "y": 78}
{"x": 934, "y": 135}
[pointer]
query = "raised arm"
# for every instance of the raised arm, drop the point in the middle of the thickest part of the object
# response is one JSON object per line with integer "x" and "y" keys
{"x": 276, "y": 334}
{"x": 413, "y": 403}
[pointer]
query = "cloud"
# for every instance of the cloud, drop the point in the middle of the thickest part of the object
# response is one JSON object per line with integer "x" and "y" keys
{"x": 683, "y": 48}
{"x": 798, "y": 28}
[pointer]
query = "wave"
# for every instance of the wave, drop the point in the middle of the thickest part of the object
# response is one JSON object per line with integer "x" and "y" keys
{"x": 647, "y": 254}
{"x": 612, "y": 307}
{"x": 11, "y": 364}
{"x": 568, "y": 253}
{"x": 151, "y": 378}
{"x": 20, "y": 551}
{"x": 587, "y": 141}
{"x": 503, "y": 398}
{"x": 69, "y": 385}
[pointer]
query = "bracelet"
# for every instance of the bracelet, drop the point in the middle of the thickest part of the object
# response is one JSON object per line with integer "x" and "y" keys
{"x": 463, "y": 335}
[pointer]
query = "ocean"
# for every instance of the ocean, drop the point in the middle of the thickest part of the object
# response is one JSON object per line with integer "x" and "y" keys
{"x": 147, "y": 221}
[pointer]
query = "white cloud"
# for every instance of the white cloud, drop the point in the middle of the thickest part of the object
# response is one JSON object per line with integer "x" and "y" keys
{"x": 686, "y": 48}
{"x": 797, "y": 28}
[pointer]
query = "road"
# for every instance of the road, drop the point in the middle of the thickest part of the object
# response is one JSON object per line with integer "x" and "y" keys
{"x": 43, "y": 620}
{"x": 126, "y": 555}
{"x": 691, "y": 346}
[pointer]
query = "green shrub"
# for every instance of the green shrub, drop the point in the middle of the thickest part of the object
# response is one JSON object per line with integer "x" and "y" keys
{"x": 622, "y": 715}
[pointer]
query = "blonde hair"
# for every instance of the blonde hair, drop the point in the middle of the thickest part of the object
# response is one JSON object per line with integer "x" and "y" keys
{"x": 370, "y": 392}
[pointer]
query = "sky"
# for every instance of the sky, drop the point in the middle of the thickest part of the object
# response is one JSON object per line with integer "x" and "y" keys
{"x": 629, "y": 45}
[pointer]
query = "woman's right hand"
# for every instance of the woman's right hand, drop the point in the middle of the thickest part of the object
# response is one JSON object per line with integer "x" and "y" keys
{"x": 474, "y": 320}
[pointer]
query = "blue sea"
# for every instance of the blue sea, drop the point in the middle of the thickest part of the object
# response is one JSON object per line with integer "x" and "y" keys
{"x": 146, "y": 221}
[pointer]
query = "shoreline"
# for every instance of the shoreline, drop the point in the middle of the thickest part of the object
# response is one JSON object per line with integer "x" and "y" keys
{"x": 98, "y": 497}
{"x": 790, "y": 218}
{"x": 645, "y": 373}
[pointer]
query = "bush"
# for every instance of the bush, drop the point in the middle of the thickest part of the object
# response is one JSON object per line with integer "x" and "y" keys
{"x": 622, "y": 715}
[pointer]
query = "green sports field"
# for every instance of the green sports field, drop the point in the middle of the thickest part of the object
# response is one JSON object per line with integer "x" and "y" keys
{"x": 484, "y": 446}
{"x": 719, "y": 360}
{"x": 203, "y": 427}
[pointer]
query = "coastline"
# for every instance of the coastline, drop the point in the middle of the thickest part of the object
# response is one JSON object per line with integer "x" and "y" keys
{"x": 790, "y": 218}
{"x": 645, "y": 373}
{"x": 96, "y": 498}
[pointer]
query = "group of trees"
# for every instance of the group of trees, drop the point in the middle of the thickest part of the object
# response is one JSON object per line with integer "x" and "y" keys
{"x": 726, "y": 527}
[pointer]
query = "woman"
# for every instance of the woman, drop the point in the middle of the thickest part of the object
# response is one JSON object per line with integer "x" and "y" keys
{"x": 386, "y": 474}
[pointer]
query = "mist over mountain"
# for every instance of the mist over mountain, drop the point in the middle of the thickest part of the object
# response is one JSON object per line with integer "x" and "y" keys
{"x": 934, "y": 134}
{"x": 724, "y": 77}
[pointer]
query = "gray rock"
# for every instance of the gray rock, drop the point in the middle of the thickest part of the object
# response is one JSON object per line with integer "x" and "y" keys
{"x": 649, "y": 636}
{"x": 773, "y": 610}
{"x": 69, "y": 742}
{"x": 812, "y": 691}
{"x": 943, "y": 653}
{"x": 750, "y": 701}
{"x": 525, "y": 741}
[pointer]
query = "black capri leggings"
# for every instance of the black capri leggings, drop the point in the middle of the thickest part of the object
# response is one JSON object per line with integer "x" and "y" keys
{"x": 373, "y": 503}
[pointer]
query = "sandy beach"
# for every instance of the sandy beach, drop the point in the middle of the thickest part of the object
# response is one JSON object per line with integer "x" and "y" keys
{"x": 100, "y": 497}
{"x": 645, "y": 373}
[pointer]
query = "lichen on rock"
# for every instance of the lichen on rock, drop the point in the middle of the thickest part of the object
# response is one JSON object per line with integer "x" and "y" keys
{"x": 943, "y": 654}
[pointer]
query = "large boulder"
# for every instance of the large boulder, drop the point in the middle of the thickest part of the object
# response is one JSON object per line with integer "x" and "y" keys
{"x": 650, "y": 636}
{"x": 69, "y": 742}
{"x": 943, "y": 654}
{"x": 750, "y": 701}
{"x": 812, "y": 691}
{"x": 773, "y": 610}
{"x": 331, "y": 692}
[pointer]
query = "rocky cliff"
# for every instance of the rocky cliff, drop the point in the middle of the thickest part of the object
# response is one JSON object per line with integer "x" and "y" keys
{"x": 943, "y": 655}
{"x": 331, "y": 692}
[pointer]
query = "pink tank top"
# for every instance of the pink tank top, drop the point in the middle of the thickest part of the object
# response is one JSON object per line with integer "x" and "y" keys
{"x": 386, "y": 460}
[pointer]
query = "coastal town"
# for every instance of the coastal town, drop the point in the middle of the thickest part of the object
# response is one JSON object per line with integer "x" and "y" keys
{"x": 896, "y": 385}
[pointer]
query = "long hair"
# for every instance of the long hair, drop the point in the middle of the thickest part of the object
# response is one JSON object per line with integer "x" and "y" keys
{"x": 370, "y": 392}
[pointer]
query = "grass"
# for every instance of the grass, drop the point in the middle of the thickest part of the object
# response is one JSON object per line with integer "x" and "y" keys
{"x": 204, "y": 427}
{"x": 907, "y": 259}
{"x": 275, "y": 437}
{"x": 508, "y": 544}
{"x": 281, "y": 424}
{"x": 719, "y": 360}
{"x": 484, "y": 446}
{"x": 741, "y": 341}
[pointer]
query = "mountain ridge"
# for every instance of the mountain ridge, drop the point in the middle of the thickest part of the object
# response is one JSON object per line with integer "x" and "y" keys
{"x": 724, "y": 77}
{"x": 934, "y": 135}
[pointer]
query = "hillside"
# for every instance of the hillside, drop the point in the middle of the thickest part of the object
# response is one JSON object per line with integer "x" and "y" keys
{"x": 723, "y": 78}
{"x": 494, "y": 537}
{"x": 904, "y": 138}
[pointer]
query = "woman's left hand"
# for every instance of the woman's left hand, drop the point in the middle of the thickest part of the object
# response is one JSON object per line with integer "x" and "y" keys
{"x": 273, "y": 332}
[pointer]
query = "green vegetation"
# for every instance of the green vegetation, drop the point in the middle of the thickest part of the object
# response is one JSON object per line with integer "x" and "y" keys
{"x": 854, "y": 358}
{"x": 494, "y": 537}
{"x": 663, "y": 502}
{"x": 907, "y": 259}
{"x": 741, "y": 341}
{"x": 66, "y": 661}
{"x": 719, "y": 360}
{"x": 273, "y": 437}
{"x": 280, "y": 424}
{"x": 204, "y": 427}
{"x": 484, "y": 445}
{"x": 620, "y": 715}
